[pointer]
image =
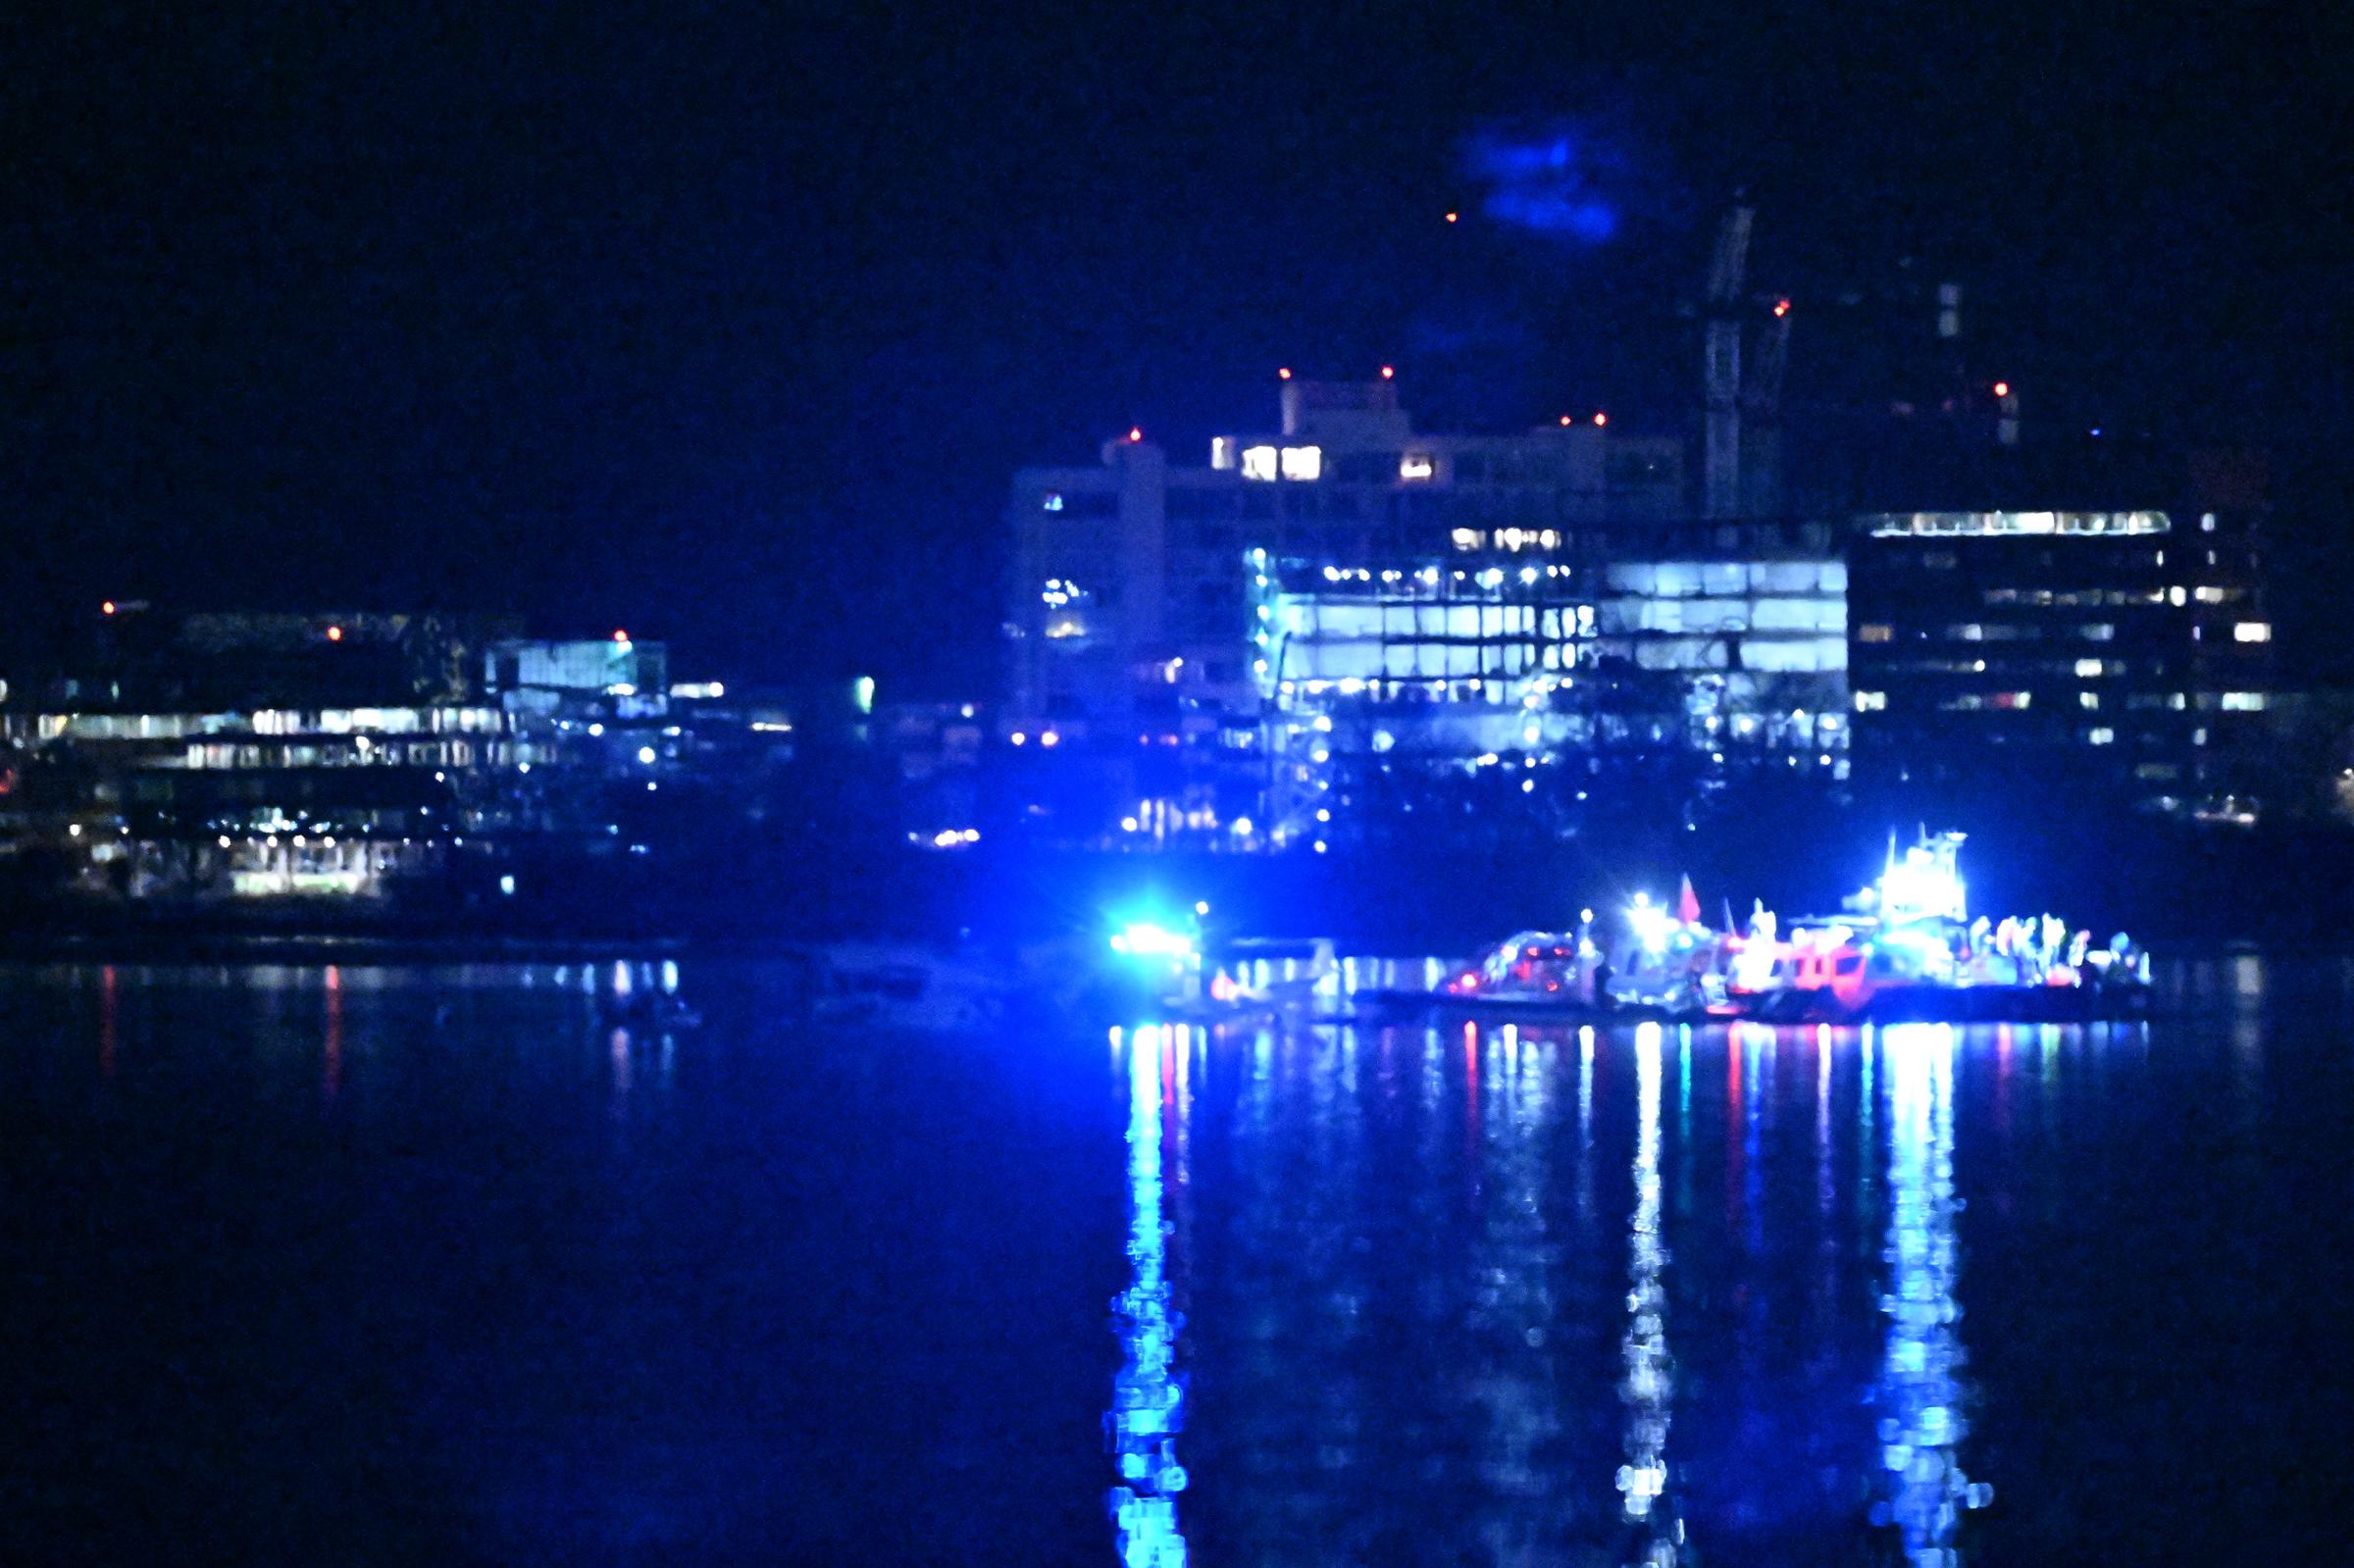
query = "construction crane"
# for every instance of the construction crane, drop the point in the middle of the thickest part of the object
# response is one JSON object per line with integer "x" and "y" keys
{"x": 1762, "y": 412}
{"x": 1721, "y": 368}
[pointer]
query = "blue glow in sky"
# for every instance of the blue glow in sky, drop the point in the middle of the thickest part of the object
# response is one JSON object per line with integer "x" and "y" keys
{"x": 1560, "y": 181}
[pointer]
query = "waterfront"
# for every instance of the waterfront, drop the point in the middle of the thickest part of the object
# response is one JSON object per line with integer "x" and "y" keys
{"x": 370, "y": 1264}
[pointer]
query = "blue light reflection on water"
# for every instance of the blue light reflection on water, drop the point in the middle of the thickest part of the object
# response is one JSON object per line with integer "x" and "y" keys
{"x": 1148, "y": 1408}
{"x": 1919, "y": 1398}
{"x": 1394, "y": 1268}
{"x": 1405, "y": 1294}
{"x": 1649, "y": 1389}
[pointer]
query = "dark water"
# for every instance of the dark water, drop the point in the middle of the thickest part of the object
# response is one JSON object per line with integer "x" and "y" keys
{"x": 367, "y": 1265}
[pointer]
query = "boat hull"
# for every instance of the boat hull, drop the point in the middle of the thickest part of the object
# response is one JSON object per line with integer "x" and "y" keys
{"x": 1509, "y": 1007}
{"x": 1949, "y": 1004}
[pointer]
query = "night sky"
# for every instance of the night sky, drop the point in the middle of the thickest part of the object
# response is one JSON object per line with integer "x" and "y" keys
{"x": 729, "y": 326}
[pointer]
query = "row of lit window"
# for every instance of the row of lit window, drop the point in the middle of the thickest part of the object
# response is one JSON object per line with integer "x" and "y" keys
{"x": 2205, "y": 594}
{"x": 2094, "y": 632}
{"x": 220, "y": 754}
{"x": 1267, "y": 464}
{"x": 1983, "y": 524}
{"x": 2229, "y": 701}
{"x": 269, "y": 722}
{"x": 2103, "y": 735}
{"x": 1507, "y": 538}
{"x": 1305, "y": 464}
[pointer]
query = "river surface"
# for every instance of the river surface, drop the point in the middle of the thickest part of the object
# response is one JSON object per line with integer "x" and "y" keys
{"x": 360, "y": 1264}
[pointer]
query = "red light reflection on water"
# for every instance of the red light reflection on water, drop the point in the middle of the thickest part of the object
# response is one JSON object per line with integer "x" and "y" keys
{"x": 106, "y": 1021}
{"x": 330, "y": 1071}
{"x": 1472, "y": 1148}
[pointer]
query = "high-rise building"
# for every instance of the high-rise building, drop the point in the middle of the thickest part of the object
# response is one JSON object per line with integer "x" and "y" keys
{"x": 1129, "y": 594}
{"x": 1202, "y": 633}
{"x": 1346, "y": 614}
{"x": 1421, "y": 685}
{"x": 2127, "y": 652}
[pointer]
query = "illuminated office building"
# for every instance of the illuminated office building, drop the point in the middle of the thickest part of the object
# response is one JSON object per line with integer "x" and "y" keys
{"x": 1129, "y": 597}
{"x": 1722, "y": 648}
{"x": 1183, "y": 629}
{"x": 323, "y": 753}
{"x": 2126, "y": 651}
{"x": 1346, "y": 614}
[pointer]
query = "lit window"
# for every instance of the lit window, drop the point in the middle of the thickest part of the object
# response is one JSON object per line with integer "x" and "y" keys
{"x": 2099, "y": 737}
{"x": 1053, "y": 501}
{"x": 1870, "y": 701}
{"x": 2214, "y": 595}
{"x": 2252, "y": 631}
{"x": 1416, "y": 466}
{"x": 1258, "y": 463}
{"x": 2090, "y": 668}
{"x": 2098, "y": 631}
{"x": 1469, "y": 539}
{"x": 2177, "y": 595}
{"x": 2207, "y": 522}
{"x": 1874, "y": 633}
{"x": 1302, "y": 462}
{"x": 2243, "y": 702}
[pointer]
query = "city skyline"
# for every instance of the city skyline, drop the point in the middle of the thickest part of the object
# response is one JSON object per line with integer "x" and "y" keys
{"x": 652, "y": 323}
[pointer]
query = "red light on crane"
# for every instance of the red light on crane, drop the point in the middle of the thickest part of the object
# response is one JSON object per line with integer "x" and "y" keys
{"x": 1564, "y": 422}
{"x": 1136, "y": 433}
{"x": 1451, "y": 217}
{"x": 1387, "y": 372}
{"x": 2002, "y": 388}
{"x": 1602, "y": 418}
{"x": 620, "y": 635}
{"x": 334, "y": 634}
{"x": 1781, "y": 307}
{"x": 108, "y": 608}
{"x": 1284, "y": 375}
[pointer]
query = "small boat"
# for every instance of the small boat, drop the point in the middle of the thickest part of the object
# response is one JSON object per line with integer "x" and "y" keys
{"x": 1258, "y": 974}
{"x": 646, "y": 1007}
{"x": 907, "y": 987}
{"x": 1562, "y": 975}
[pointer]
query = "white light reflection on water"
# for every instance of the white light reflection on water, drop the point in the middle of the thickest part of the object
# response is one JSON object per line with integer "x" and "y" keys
{"x": 1650, "y": 1378}
{"x": 1147, "y": 1407}
{"x": 1585, "y": 1127}
{"x": 1921, "y": 1390}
